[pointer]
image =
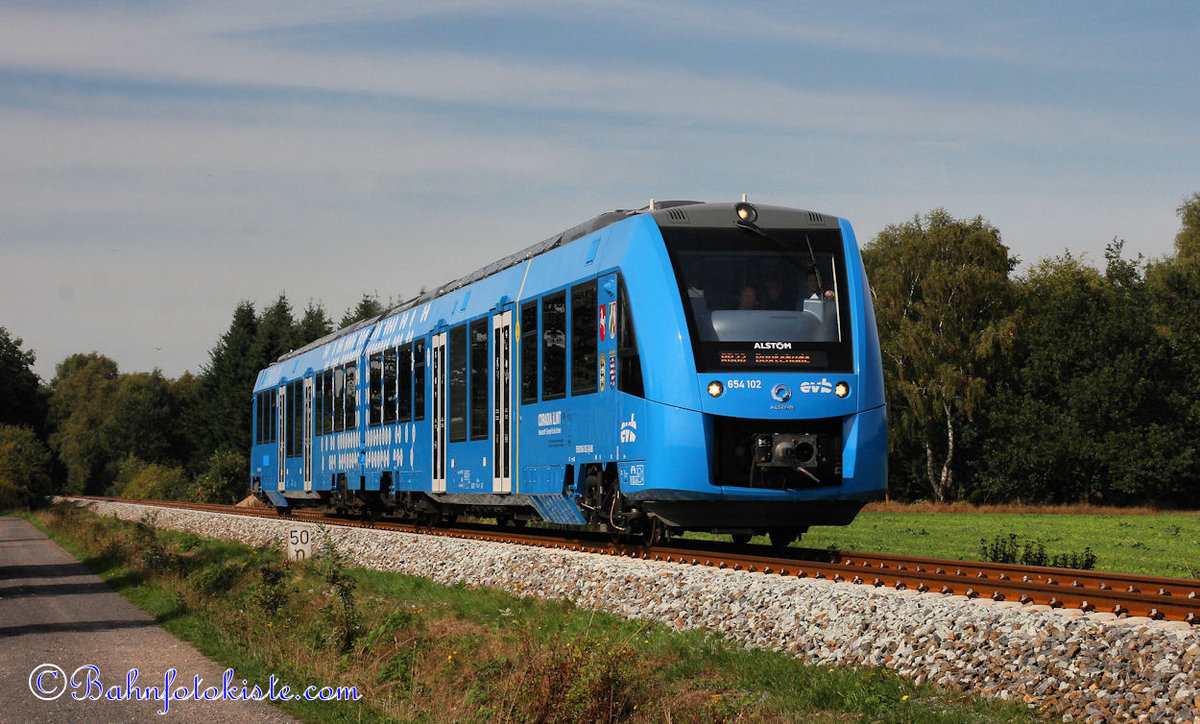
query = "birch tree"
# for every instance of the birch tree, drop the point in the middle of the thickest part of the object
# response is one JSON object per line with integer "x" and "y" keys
{"x": 943, "y": 304}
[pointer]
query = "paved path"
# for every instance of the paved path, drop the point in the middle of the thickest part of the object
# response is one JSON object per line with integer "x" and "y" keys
{"x": 53, "y": 611}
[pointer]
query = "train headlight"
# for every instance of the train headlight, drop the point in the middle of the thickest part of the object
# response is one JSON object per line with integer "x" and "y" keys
{"x": 841, "y": 389}
{"x": 745, "y": 212}
{"x": 716, "y": 389}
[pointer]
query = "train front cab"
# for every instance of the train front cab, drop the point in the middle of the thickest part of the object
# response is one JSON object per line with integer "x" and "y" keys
{"x": 782, "y": 420}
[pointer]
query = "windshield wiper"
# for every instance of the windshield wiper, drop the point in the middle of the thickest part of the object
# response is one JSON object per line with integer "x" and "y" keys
{"x": 812, "y": 258}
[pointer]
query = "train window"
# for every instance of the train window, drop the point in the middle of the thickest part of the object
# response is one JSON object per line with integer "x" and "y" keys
{"x": 529, "y": 352}
{"x": 296, "y": 396}
{"x": 339, "y": 399}
{"x": 404, "y": 384}
{"x": 295, "y": 428}
{"x": 264, "y": 427}
{"x": 418, "y": 360}
{"x": 554, "y": 346}
{"x": 389, "y": 386}
{"x": 778, "y": 287}
{"x": 318, "y": 417}
{"x": 629, "y": 373}
{"x": 327, "y": 402}
{"x": 456, "y": 384}
{"x": 478, "y": 384}
{"x": 584, "y": 342}
{"x": 351, "y": 396}
{"x": 289, "y": 427}
{"x": 375, "y": 393}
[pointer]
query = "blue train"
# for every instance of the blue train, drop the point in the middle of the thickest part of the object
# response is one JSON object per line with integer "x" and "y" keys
{"x": 684, "y": 366}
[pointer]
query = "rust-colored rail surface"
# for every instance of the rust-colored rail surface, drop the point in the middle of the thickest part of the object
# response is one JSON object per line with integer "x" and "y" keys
{"x": 1122, "y": 594}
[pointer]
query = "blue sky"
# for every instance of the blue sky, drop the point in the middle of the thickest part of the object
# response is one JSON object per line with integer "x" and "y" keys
{"x": 162, "y": 161}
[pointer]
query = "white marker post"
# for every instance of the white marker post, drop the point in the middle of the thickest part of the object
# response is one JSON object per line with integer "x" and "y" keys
{"x": 299, "y": 544}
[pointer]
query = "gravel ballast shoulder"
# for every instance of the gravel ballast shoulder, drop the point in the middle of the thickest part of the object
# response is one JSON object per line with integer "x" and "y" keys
{"x": 1086, "y": 667}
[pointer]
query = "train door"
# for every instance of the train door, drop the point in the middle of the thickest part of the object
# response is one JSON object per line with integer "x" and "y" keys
{"x": 438, "y": 365}
{"x": 307, "y": 448}
{"x": 282, "y": 445}
{"x": 502, "y": 402}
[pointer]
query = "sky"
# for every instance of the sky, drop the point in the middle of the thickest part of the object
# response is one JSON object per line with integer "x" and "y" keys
{"x": 162, "y": 161}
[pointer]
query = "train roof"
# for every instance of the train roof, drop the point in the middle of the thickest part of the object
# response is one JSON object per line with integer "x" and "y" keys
{"x": 669, "y": 212}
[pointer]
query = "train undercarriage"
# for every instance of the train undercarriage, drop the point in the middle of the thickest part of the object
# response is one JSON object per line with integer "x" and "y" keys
{"x": 600, "y": 502}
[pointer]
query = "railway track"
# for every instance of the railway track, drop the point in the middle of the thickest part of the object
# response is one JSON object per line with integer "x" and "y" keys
{"x": 1124, "y": 595}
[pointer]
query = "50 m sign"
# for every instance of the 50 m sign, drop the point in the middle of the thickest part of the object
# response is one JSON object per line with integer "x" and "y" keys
{"x": 299, "y": 544}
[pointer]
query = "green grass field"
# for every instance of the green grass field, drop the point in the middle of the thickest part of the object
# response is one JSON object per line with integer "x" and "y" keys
{"x": 1163, "y": 544}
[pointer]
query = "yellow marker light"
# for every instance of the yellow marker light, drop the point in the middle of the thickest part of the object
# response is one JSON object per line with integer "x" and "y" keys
{"x": 841, "y": 389}
{"x": 716, "y": 389}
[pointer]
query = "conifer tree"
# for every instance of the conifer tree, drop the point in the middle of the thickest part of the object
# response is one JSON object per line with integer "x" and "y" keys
{"x": 367, "y": 308}
{"x": 223, "y": 392}
{"x": 314, "y": 325}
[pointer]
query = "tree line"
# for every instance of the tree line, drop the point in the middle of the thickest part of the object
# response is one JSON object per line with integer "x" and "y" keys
{"x": 95, "y": 430}
{"x": 1066, "y": 383}
{"x": 1063, "y": 383}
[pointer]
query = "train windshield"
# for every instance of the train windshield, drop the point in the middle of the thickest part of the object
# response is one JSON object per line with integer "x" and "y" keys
{"x": 772, "y": 301}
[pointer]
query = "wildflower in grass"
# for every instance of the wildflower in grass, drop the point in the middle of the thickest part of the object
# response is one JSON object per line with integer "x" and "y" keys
{"x": 904, "y": 698}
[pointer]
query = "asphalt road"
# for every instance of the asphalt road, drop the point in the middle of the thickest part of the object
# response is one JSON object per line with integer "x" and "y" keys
{"x": 56, "y": 617}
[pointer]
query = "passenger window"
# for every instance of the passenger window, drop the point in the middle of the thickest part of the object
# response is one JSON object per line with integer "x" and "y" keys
{"x": 389, "y": 386}
{"x": 554, "y": 346}
{"x": 584, "y": 342}
{"x": 327, "y": 401}
{"x": 404, "y": 382}
{"x": 351, "y": 396}
{"x": 456, "y": 384}
{"x": 339, "y": 399}
{"x": 480, "y": 418}
{"x": 629, "y": 373}
{"x": 318, "y": 418}
{"x": 529, "y": 353}
{"x": 418, "y": 358}
{"x": 297, "y": 398}
{"x": 375, "y": 392}
{"x": 295, "y": 403}
{"x": 259, "y": 401}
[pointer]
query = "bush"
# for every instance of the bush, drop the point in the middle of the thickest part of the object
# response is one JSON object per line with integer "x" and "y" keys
{"x": 340, "y": 613}
{"x": 1004, "y": 549}
{"x": 24, "y": 468}
{"x": 226, "y": 478}
{"x": 149, "y": 481}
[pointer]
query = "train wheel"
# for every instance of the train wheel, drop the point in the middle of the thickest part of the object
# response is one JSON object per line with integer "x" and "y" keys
{"x": 782, "y": 538}
{"x": 652, "y": 533}
{"x": 741, "y": 539}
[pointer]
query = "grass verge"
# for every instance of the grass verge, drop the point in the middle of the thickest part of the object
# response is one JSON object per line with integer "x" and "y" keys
{"x": 1163, "y": 544}
{"x": 423, "y": 652}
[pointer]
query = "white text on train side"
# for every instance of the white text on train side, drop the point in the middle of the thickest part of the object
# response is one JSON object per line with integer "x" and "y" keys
{"x": 772, "y": 345}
